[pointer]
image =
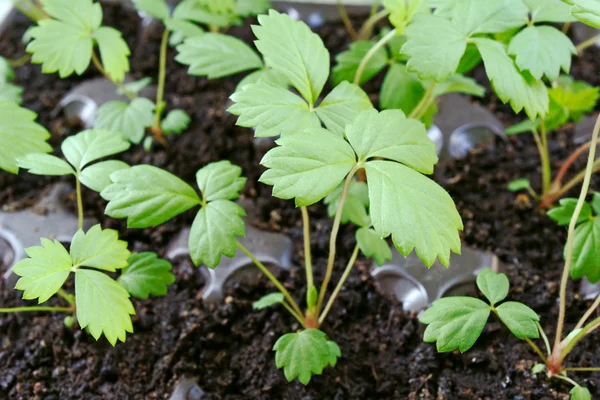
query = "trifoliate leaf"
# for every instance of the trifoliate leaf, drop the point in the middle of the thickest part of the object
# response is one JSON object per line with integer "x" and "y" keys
{"x": 563, "y": 213}
{"x": 290, "y": 47}
{"x": 434, "y": 46}
{"x": 45, "y": 164}
{"x": 341, "y": 105}
{"x": 156, "y": 8}
{"x": 19, "y": 135}
{"x": 272, "y": 109}
{"x": 103, "y": 306}
{"x": 373, "y": 246}
{"x": 542, "y": 50}
{"x": 509, "y": 84}
{"x": 146, "y": 275}
{"x": 494, "y": 286}
{"x": 389, "y": 134}
{"x": 586, "y": 251}
{"x": 596, "y": 203}
{"x": 44, "y": 272}
{"x": 490, "y": 16}
{"x": 401, "y": 89}
{"x": 355, "y": 206}
{"x": 518, "y": 185}
{"x": 217, "y": 55}
{"x": 91, "y": 145}
{"x": 307, "y": 166}
{"x": 267, "y": 301}
{"x": 97, "y": 176}
{"x": 586, "y": 11}
{"x": 176, "y": 121}
{"x": 215, "y": 231}
{"x": 549, "y": 11}
{"x": 305, "y": 353}
{"x": 130, "y": 120}
{"x": 455, "y": 323}
{"x": 246, "y": 8}
{"x": 131, "y": 196}
{"x": 113, "y": 51}
{"x": 520, "y": 319}
{"x": 459, "y": 84}
{"x": 347, "y": 62}
{"x": 580, "y": 393}
{"x": 269, "y": 76}
{"x": 11, "y": 93}
{"x": 415, "y": 210}
{"x": 99, "y": 248}
{"x": 220, "y": 180}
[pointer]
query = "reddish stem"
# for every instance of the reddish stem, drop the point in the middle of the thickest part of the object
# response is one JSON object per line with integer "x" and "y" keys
{"x": 568, "y": 163}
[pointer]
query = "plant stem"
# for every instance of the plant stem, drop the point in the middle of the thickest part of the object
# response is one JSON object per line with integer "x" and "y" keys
{"x": 363, "y": 63}
{"x": 346, "y": 20}
{"x": 536, "y": 349}
{"x": 566, "y": 27}
{"x": 570, "y": 237}
{"x": 101, "y": 69}
{"x": 583, "y": 369}
{"x": 545, "y": 338}
{"x": 307, "y": 252}
{"x": 568, "y": 162}
{"x": 271, "y": 277}
{"x": 160, "y": 92}
{"x": 420, "y": 109}
{"x": 35, "y": 308}
{"x": 333, "y": 238}
{"x": 338, "y": 288}
{"x": 30, "y": 10}
{"x": 552, "y": 197}
{"x": 566, "y": 378}
{"x": 588, "y": 313}
{"x": 19, "y": 62}
{"x": 294, "y": 314}
{"x": 546, "y": 171}
{"x": 79, "y": 203}
{"x": 65, "y": 296}
{"x": 367, "y": 28}
{"x": 588, "y": 43}
{"x": 587, "y": 329}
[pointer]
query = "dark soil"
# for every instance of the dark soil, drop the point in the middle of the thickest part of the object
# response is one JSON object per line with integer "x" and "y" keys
{"x": 226, "y": 347}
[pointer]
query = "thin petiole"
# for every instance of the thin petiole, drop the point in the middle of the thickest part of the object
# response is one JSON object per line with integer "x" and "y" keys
{"x": 546, "y": 171}
{"x": 544, "y": 338}
{"x": 100, "y": 68}
{"x": 307, "y": 251}
{"x": 425, "y": 102}
{"x": 36, "y": 308}
{"x": 367, "y": 28}
{"x": 294, "y": 314}
{"x": 346, "y": 19}
{"x": 160, "y": 92}
{"x": 588, "y": 313}
{"x": 30, "y": 10}
{"x": 583, "y": 333}
{"x": 583, "y": 369}
{"x": 588, "y": 43}
{"x": 66, "y": 296}
{"x": 79, "y": 203}
{"x": 536, "y": 349}
{"x": 566, "y": 378}
{"x": 363, "y": 63}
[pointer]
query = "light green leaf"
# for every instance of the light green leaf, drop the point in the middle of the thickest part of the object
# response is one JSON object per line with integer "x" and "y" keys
{"x": 182, "y": 30}
{"x": 6, "y": 71}
{"x": 340, "y": 106}
{"x": 97, "y": 176}
{"x": 572, "y": 99}
{"x": 401, "y": 89}
{"x": 455, "y": 323}
{"x": 269, "y": 76}
{"x": 580, "y": 393}
{"x": 99, "y": 248}
{"x": 156, "y": 8}
{"x": 537, "y": 368}
{"x": 214, "y": 232}
{"x": 494, "y": 286}
{"x": 19, "y": 135}
{"x": 267, "y": 301}
{"x": 490, "y": 16}
{"x": 390, "y": 135}
{"x": 103, "y": 306}
{"x": 10, "y": 92}
{"x": 130, "y": 196}
{"x": 549, "y": 11}
{"x": 220, "y": 180}
{"x": 305, "y": 353}
{"x": 520, "y": 319}
{"x": 146, "y": 275}
{"x": 273, "y": 110}
{"x": 247, "y": 8}
{"x": 130, "y": 120}
{"x": 45, "y": 164}
{"x": 307, "y": 166}
{"x": 586, "y": 11}
{"x": 459, "y": 84}
{"x": 290, "y": 47}
{"x": 525, "y": 126}
{"x": 596, "y": 203}
{"x": 44, "y": 272}
{"x": 193, "y": 10}
{"x": 91, "y": 145}
{"x": 373, "y": 246}
{"x": 347, "y": 62}
{"x": 113, "y": 51}
{"x": 136, "y": 86}
{"x": 83, "y": 13}
{"x": 415, "y": 210}
{"x": 509, "y": 84}
{"x": 176, "y": 121}
{"x": 217, "y": 55}
{"x": 434, "y": 46}
{"x": 355, "y": 206}
{"x": 564, "y": 212}
{"x": 519, "y": 184}
{"x": 218, "y": 6}
{"x": 586, "y": 251}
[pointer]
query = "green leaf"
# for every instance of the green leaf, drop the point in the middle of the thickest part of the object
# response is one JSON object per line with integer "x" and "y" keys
{"x": 459, "y": 84}
{"x": 586, "y": 11}
{"x": 218, "y": 6}
{"x": 525, "y": 126}
{"x": 564, "y": 212}
{"x": 455, "y": 323}
{"x": 573, "y": 98}
{"x": 305, "y": 353}
{"x": 549, "y": 11}
{"x": 44, "y": 272}
{"x": 400, "y": 89}
{"x": 586, "y": 251}
{"x": 136, "y": 86}
{"x": 264, "y": 75}
{"x": 44, "y": 164}
{"x": 220, "y": 180}
{"x": 99, "y": 248}
{"x": 97, "y": 176}
{"x": 596, "y": 203}
{"x": 341, "y": 105}
{"x": 580, "y": 393}
{"x": 355, "y": 206}
{"x": 373, "y": 246}
{"x": 390, "y": 135}
{"x": 494, "y": 286}
{"x": 176, "y": 121}
{"x": 520, "y": 319}
{"x": 130, "y": 196}
{"x": 217, "y": 55}
{"x": 415, "y": 210}
{"x": 182, "y": 30}
{"x": 92, "y": 145}
{"x": 103, "y": 306}
{"x": 19, "y": 135}
{"x": 272, "y": 109}
{"x": 312, "y": 296}
{"x": 290, "y": 47}
{"x": 214, "y": 232}
{"x": 347, "y": 62}
{"x": 307, "y": 166}
{"x": 146, "y": 275}
{"x": 537, "y": 368}
{"x": 195, "y": 11}
{"x": 490, "y": 16}
{"x": 130, "y": 120}
{"x": 247, "y": 8}
{"x": 10, "y": 92}
{"x": 434, "y": 46}
{"x": 156, "y": 8}
{"x": 542, "y": 50}
{"x": 6, "y": 71}
{"x": 509, "y": 84}
{"x": 83, "y": 13}
{"x": 267, "y": 301}
{"x": 113, "y": 51}
{"x": 519, "y": 184}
